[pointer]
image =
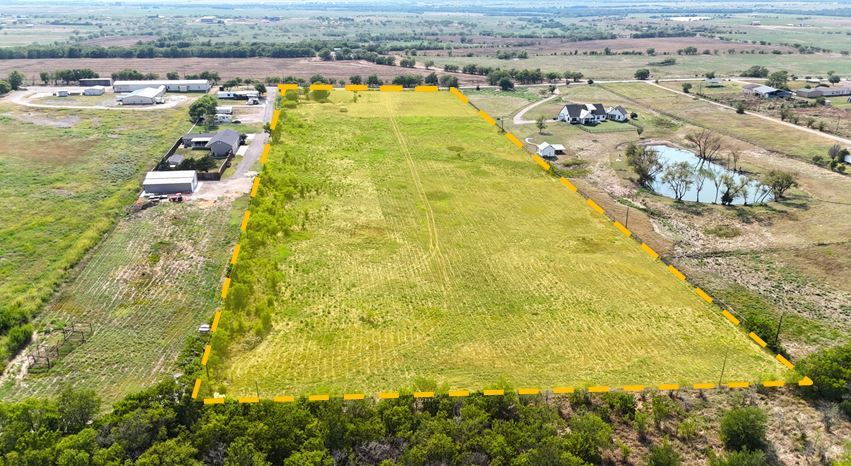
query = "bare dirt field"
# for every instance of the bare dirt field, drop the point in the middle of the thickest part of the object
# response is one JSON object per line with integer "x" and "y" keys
{"x": 227, "y": 68}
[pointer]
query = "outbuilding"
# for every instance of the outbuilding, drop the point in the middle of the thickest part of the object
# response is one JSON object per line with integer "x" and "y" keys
{"x": 617, "y": 113}
{"x": 145, "y": 96}
{"x": 171, "y": 85}
{"x": 86, "y": 82}
{"x": 548, "y": 150}
{"x": 94, "y": 90}
{"x": 224, "y": 143}
{"x": 170, "y": 182}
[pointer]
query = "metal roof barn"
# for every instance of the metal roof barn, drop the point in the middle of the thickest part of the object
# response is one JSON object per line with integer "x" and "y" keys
{"x": 144, "y": 96}
{"x": 171, "y": 85}
{"x": 170, "y": 182}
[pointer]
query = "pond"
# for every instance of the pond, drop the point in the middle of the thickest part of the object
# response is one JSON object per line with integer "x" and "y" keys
{"x": 670, "y": 155}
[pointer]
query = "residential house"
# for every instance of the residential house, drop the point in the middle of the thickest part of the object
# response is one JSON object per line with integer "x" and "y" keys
{"x": 713, "y": 82}
{"x": 766, "y": 92}
{"x": 585, "y": 114}
{"x": 224, "y": 143}
{"x": 548, "y": 150}
{"x": 617, "y": 113}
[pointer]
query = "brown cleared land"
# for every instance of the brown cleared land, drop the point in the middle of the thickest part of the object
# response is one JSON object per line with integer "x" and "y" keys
{"x": 227, "y": 68}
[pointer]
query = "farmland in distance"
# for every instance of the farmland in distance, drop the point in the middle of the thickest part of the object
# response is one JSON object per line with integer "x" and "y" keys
{"x": 399, "y": 242}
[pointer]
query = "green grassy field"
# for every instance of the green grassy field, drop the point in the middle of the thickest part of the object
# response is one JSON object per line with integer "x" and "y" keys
{"x": 65, "y": 177}
{"x": 405, "y": 244}
{"x": 144, "y": 290}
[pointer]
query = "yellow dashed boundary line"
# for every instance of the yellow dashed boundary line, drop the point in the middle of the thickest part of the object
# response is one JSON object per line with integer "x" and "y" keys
{"x": 356, "y": 87}
{"x": 390, "y": 88}
{"x": 321, "y": 87}
{"x": 805, "y": 381}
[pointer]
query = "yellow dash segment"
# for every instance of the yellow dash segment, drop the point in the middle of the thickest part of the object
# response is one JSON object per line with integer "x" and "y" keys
{"x": 543, "y": 163}
{"x": 322, "y": 397}
{"x": 669, "y": 386}
{"x": 759, "y": 341}
{"x": 493, "y": 392}
{"x": 225, "y": 287}
{"x": 805, "y": 382}
{"x": 598, "y": 389}
{"x": 321, "y": 87}
{"x": 283, "y": 399}
{"x": 567, "y": 183}
{"x": 773, "y": 383}
{"x": 676, "y": 273}
{"x": 458, "y": 393}
{"x": 704, "y": 386}
{"x": 206, "y": 356}
{"x": 214, "y": 401}
{"x": 216, "y": 317}
{"x": 388, "y": 395}
{"x": 595, "y": 206}
{"x": 425, "y": 89}
{"x": 459, "y": 94}
{"x": 785, "y": 361}
{"x": 528, "y": 391}
{"x": 356, "y": 87}
{"x": 650, "y": 252}
{"x": 255, "y": 185}
{"x": 622, "y": 229}
{"x": 196, "y": 388}
{"x": 234, "y": 255}
{"x": 244, "y": 223}
{"x": 738, "y": 385}
{"x": 423, "y": 394}
{"x": 275, "y": 115}
{"x": 633, "y": 388}
{"x": 487, "y": 117}
{"x": 249, "y": 399}
{"x": 703, "y": 295}
{"x": 563, "y": 390}
{"x": 733, "y": 320}
{"x": 353, "y": 396}
{"x": 287, "y": 87}
{"x": 514, "y": 140}
{"x": 390, "y": 88}
{"x": 265, "y": 155}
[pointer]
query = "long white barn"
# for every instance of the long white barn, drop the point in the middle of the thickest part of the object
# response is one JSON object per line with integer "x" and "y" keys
{"x": 171, "y": 85}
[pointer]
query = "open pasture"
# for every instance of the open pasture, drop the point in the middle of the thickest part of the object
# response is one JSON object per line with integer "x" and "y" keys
{"x": 405, "y": 244}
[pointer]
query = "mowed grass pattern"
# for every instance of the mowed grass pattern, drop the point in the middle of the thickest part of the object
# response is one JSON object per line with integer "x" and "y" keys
{"x": 440, "y": 256}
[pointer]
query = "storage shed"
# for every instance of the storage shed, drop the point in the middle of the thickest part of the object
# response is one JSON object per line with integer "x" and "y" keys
{"x": 170, "y": 182}
{"x": 94, "y": 90}
{"x": 86, "y": 82}
{"x": 171, "y": 85}
{"x": 145, "y": 96}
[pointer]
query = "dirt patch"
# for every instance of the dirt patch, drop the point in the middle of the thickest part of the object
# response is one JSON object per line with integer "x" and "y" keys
{"x": 41, "y": 120}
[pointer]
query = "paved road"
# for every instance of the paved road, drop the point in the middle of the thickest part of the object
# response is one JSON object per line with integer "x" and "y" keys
{"x": 255, "y": 149}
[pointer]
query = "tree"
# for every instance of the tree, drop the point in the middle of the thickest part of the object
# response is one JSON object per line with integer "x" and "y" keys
{"x": 678, "y": 177}
{"x": 506, "y": 84}
{"x": 779, "y": 182}
{"x": 642, "y": 74}
{"x": 15, "y": 79}
{"x": 448, "y": 81}
{"x": 431, "y": 79}
{"x": 645, "y": 162}
{"x": 834, "y": 78}
{"x": 778, "y": 79}
{"x": 201, "y": 108}
{"x": 755, "y": 71}
{"x": 715, "y": 177}
{"x": 169, "y": 453}
{"x": 5, "y": 87}
{"x": 373, "y": 81}
{"x": 687, "y": 87}
{"x": 428, "y": 64}
{"x": 732, "y": 188}
{"x": 830, "y": 370}
{"x": 740, "y": 458}
{"x": 45, "y": 77}
{"x": 320, "y": 95}
{"x": 172, "y": 75}
{"x": 260, "y": 88}
{"x": 650, "y": 51}
{"x": 325, "y": 55}
{"x": 744, "y": 429}
{"x": 356, "y": 79}
{"x": 76, "y": 409}
{"x": 705, "y": 143}
{"x": 701, "y": 174}
{"x": 540, "y": 124}
{"x": 710, "y": 75}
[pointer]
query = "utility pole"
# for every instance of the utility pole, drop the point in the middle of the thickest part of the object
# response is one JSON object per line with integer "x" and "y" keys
{"x": 723, "y": 366}
{"x": 627, "y": 218}
{"x": 777, "y": 334}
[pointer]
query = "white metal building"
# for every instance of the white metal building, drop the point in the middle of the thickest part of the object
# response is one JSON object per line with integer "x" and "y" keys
{"x": 94, "y": 90}
{"x": 170, "y": 182}
{"x": 145, "y": 96}
{"x": 171, "y": 85}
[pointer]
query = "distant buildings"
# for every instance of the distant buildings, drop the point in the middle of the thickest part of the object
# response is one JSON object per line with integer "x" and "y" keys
{"x": 171, "y": 85}
{"x": 86, "y": 82}
{"x": 823, "y": 92}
